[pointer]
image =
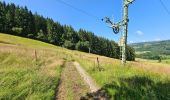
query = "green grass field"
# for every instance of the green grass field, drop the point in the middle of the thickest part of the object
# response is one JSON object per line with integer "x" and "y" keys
{"x": 35, "y": 75}
{"x": 167, "y": 61}
{"x": 163, "y": 61}
{"x": 22, "y": 75}
{"x": 10, "y": 39}
{"x": 128, "y": 82}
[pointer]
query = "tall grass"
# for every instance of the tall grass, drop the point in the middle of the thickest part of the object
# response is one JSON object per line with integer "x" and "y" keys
{"x": 29, "y": 69}
{"x": 167, "y": 61}
{"x": 128, "y": 82}
{"x": 23, "y": 78}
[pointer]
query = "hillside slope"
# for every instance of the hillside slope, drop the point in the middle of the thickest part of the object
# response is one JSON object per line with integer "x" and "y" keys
{"x": 31, "y": 69}
{"x": 152, "y": 49}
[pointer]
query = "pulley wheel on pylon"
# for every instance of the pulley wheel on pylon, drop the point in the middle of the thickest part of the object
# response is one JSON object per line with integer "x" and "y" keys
{"x": 116, "y": 30}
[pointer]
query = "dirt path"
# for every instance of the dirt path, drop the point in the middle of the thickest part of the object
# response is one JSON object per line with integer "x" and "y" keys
{"x": 96, "y": 93}
{"x": 72, "y": 86}
{"x": 76, "y": 84}
{"x": 92, "y": 85}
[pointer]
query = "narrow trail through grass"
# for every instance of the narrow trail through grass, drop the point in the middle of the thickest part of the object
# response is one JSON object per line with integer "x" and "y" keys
{"x": 90, "y": 82}
{"x": 72, "y": 86}
{"x": 96, "y": 93}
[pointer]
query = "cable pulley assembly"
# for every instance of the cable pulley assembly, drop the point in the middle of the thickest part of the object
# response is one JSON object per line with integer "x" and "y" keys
{"x": 116, "y": 30}
{"x": 115, "y": 26}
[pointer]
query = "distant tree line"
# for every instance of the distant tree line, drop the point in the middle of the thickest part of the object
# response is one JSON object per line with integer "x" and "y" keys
{"x": 20, "y": 21}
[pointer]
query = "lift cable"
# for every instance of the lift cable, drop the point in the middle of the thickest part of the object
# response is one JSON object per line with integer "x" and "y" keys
{"x": 78, "y": 9}
{"x": 164, "y": 6}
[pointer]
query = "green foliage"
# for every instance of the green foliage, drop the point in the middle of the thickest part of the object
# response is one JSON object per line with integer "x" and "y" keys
{"x": 20, "y": 21}
{"x": 30, "y": 35}
{"x": 130, "y": 53}
{"x": 17, "y": 30}
{"x": 41, "y": 35}
{"x": 83, "y": 46}
{"x": 69, "y": 45}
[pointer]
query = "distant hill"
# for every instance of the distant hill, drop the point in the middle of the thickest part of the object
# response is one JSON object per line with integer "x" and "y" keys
{"x": 152, "y": 50}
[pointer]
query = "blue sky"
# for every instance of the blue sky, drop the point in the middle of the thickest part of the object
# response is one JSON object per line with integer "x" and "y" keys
{"x": 148, "y": 19}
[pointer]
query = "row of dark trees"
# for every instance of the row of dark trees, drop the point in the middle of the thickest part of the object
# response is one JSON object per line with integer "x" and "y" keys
{"x": 22, "y": 22}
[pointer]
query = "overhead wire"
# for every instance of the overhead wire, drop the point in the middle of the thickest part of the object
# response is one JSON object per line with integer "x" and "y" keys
{"x": 78, "y": 9}
{"x": 88, "y": 14}
{"x": 164, "y": 6}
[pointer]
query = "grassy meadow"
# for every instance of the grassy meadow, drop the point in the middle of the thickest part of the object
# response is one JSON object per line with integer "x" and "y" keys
{"x": 31, "y": 69}
{"x": 167, "y": 61}
{"x": 135, "y": 80}
{"x": 26, "y": 71}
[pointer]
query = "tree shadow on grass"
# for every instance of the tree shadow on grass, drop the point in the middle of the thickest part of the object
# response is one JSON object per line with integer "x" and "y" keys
{"x": 134, "y": 88}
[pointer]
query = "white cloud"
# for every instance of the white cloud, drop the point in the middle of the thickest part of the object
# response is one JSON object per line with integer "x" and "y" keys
{"x": 139, "y": 32}
{"x": 131, "y": 41}
{"x": 143, "y": 40}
